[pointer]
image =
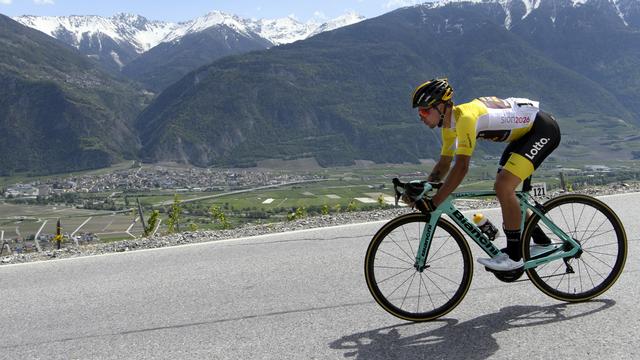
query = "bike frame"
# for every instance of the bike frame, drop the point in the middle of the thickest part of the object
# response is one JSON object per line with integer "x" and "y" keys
{"x": 524, "y": 198}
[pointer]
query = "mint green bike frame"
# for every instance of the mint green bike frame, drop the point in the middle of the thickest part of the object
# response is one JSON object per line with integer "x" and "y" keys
{"x": 482, "y": 240}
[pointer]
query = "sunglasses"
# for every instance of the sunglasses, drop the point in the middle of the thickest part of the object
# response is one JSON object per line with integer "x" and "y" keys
{"x": 424, "y": 111}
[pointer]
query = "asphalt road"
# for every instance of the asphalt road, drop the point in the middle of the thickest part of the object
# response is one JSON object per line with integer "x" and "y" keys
{"x": 298, "y": 295}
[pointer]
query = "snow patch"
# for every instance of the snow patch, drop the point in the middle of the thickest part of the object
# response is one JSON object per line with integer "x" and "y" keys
{"x": 530, "y": 5}
{"x": 116, "y": 59}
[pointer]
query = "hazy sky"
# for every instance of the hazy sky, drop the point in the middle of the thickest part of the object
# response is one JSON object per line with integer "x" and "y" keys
{"x": 180, "y": 10}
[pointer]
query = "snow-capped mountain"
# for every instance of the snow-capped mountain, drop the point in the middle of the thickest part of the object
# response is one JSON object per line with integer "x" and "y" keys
{"x": 627, "y": 10}
{"x": 287, "y": 30}
{"x": 142, "y": 34}
{"x": 118, "y": 40}
{"x": 134, "y": 30}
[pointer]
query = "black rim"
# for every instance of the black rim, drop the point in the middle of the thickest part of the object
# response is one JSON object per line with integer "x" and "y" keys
{"x": 603, "y": 242}
{"x": 402, "y": 290}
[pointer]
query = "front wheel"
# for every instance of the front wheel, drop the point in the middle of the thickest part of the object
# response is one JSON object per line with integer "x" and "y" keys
{"x": 601, "y": 235}
{"x": 402, "y": 290}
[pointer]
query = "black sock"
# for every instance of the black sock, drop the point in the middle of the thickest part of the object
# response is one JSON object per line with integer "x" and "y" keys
{"x": 539, "y": 237}
{"x": 514, "y": 248}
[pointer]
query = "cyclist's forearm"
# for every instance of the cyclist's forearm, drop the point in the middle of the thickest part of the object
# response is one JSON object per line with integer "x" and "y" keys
{"x": 440, "y": 169}
{"x": 454, "y": 179}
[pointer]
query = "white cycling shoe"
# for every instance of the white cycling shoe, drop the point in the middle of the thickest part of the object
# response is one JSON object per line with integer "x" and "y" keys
{"x": 501, "y": 262}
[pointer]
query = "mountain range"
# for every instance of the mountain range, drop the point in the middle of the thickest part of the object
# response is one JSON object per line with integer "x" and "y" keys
{"x": 343, "y": 95}
{"x": 158, "y": 53}
{"x": 59, "y": 111}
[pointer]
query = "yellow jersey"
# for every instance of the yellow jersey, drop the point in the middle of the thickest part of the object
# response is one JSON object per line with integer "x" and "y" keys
{"x": 489, "y": 118}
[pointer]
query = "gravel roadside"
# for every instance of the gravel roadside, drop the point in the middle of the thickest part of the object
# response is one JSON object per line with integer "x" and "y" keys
{"x": 261, "y": 229}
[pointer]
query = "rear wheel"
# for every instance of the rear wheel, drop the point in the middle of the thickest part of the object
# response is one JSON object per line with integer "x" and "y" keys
{"x": 402, "y": 290}
{"x": 596, "y": 268}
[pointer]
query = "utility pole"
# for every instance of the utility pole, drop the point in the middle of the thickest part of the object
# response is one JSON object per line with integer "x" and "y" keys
{"x": 58, "y": 237}
{"x": 144, "y": 226}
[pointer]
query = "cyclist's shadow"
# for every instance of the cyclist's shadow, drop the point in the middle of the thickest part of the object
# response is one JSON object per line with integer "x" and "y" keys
{"x": 449, "y": 339}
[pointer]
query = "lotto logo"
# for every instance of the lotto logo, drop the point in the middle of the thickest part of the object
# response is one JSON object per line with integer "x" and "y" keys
{"x": 536, "y": 148}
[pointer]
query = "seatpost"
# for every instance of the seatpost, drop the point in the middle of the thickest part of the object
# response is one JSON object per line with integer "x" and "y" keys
{"x": 526, "y": 184}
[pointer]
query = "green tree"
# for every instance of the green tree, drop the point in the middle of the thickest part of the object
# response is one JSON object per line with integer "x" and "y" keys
{"x": 301, "y": 212}
{"x": 152, "y": 222}
{"x": 173, "y": 223}
{"x": 298, "y": 213}
{"x": 325, "y": 209}
{"x": 218, "y": 215}
{"x": 352, "y": 206}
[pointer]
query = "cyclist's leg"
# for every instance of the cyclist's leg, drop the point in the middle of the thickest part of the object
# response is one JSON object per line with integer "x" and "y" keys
{"x": 505, "y": 186}
{"x": 530, "y": 151}
{"x": 519, "y": 161}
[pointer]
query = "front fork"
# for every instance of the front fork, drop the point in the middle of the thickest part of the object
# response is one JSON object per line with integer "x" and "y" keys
{"x": 425, "y": 240}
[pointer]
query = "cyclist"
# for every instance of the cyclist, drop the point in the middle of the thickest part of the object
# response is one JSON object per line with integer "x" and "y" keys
{"x": 531, "y": 135}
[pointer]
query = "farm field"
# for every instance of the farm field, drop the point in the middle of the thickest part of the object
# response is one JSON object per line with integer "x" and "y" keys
{"x": 340, "y": 189}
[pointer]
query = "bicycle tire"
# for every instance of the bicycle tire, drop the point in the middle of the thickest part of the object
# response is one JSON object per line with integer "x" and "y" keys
{"x": 437, "y": 283}
{"x": 604, "y": 248}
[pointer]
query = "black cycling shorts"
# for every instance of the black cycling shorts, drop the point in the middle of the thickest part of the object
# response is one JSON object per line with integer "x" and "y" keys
{"x": 521, "y": 157}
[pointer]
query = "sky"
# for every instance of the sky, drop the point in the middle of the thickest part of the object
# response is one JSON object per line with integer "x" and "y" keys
{"x": 181, "y": 10}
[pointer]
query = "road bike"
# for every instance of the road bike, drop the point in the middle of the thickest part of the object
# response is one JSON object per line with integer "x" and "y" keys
{"x": 419, "y": 266}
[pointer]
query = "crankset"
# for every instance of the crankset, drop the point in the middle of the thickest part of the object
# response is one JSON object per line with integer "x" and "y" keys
{"x": 507, "y": 276}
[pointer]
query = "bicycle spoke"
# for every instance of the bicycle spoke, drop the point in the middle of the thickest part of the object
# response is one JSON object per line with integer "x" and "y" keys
{"x": 400, "y": 247}
{"x": 599, "y": 253}
{"x": 408, "y": 288}
{"x": 436, "y": 252}
{"x": 442, "y": 257}
{"x": 580, "y": 276}
{"x": 396, "y": 289}
{"x": 419, "y": 288}
{"x": 602, "y": 233}
{"x": 599, "y": 246}
{"x": 584, "y": 206}
{"x": 393, "y": 267}
{"x": 588, "y": 226}
{"x": 586, "y": 269}
{"x": 444, "y": 277}
{"x": 597, "y": 258}
{"x": 594, "y": 231}
{"x": 395, "y": 257}
{"x": 558, "y": 268}
{"x": 573, "y": 214}
{"x": 391, "y": 277}
{"x": 565, "y": 219}
{"x": 436, "y": 285}
{"x": 409, "y": 242}
{"x": 427, "y": 289}
{"x": 561, "y": 278}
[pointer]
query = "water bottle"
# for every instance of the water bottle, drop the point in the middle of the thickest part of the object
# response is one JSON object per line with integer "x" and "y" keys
{"x": 485, "y": 226}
